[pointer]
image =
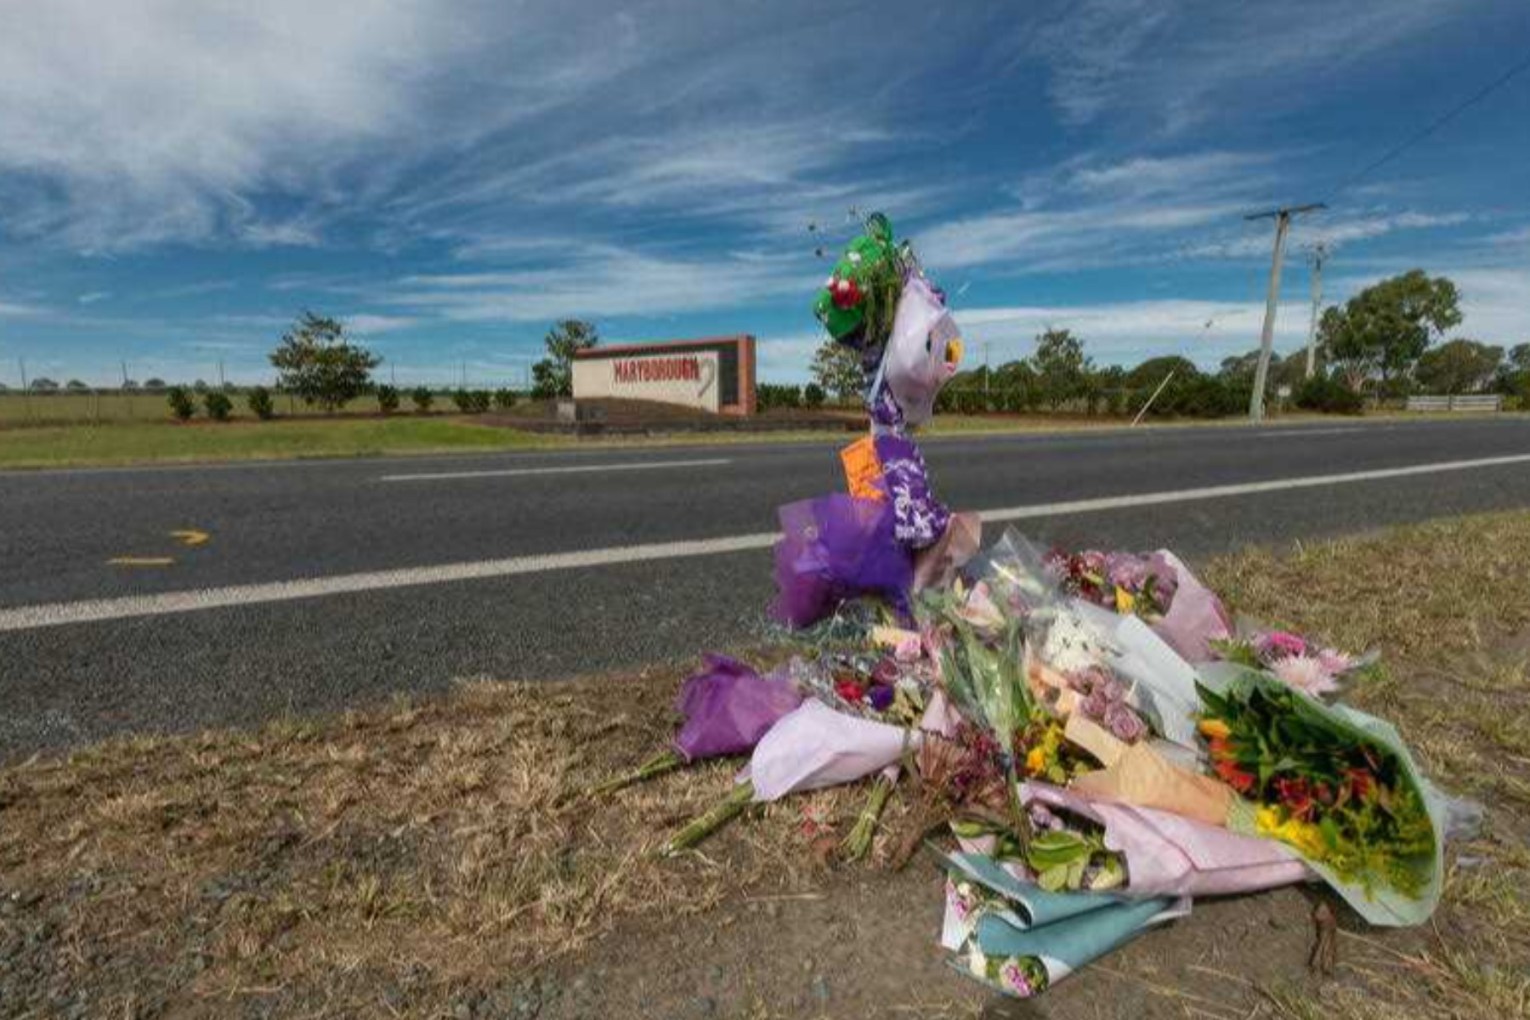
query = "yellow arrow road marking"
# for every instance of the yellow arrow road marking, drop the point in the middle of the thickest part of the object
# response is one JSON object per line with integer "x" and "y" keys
{"x": 141, "y": 561}
{"x": 190, "y": 536}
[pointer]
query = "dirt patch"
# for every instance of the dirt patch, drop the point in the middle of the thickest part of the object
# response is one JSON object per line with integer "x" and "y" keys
{"x": 430, "y": 860}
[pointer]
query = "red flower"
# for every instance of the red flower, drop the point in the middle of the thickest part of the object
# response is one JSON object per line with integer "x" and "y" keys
{"x": 1360, "y": 782}
{"x": 845, "y": 292}
{"x": 851, "y": 690}
{"x": 1235, "y": 777}
{"x": 1296, "y": 795}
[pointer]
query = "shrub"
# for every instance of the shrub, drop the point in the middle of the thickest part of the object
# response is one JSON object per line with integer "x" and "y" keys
{"x": 813, "y": 395}
{"x": 1329, "y": 395}
{"x": 770, "y": 395}
{"x": 181, "y": 404}
{"x": 387, "y": 399}
{"x": 422, "y": 398}
{"x": 218, "y": 405}
{"x": 471, "y": 401}
{"x": 261, "y": 404}
{"x": 504, "y": 399}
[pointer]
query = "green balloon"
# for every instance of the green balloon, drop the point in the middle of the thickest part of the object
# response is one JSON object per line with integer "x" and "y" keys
{"x": 864, "y": 257}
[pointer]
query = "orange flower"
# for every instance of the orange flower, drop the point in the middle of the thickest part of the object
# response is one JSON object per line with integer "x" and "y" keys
{"x": 1214, "y": 729}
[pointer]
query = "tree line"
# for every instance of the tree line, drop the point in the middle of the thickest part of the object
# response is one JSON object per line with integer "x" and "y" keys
{"x": 1384, "y": 343}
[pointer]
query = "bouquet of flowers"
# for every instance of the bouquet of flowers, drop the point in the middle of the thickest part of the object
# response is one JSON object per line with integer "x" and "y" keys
{"x": 1294, "y": 660}
{"x": 1123, "y": 581}
{"x": 1335, "y": 784}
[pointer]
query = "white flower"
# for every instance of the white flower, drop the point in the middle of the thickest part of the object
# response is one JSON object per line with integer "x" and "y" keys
{"x": 1305, "y": 673}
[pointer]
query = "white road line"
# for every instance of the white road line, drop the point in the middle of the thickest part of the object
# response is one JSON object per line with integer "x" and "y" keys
{"x": 128, "y": 607}
{"x": 1305, "y": 432}
{"x": 567, "y": 469}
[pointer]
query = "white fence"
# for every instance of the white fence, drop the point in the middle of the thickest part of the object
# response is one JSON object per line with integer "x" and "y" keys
{"x": 1471, "y": 402}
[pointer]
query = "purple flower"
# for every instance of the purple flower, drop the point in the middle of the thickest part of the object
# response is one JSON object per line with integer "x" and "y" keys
{"x": 1013, "y": 980}
{"x": 880, "y": 697}
{"x": 1125, "y": 724}
{"x": 886, "y": 671}
{"x": 1126, "y": 571}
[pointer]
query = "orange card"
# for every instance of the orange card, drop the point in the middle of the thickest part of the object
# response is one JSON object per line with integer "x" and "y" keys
{"x": 863, "y": 471}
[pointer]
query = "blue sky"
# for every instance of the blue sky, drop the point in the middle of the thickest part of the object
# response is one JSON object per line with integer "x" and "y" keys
{"x": 179, "y": 178}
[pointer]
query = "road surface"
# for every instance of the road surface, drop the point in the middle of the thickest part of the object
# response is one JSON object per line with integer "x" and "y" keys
{"x": 329, "y": 584}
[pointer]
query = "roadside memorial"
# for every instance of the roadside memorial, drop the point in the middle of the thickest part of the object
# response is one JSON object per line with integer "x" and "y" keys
{"x": 1087, "y": 741}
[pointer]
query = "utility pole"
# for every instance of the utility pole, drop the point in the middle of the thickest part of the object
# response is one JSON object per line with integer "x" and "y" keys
{"x": 987, "y": 372}
{"x": 1319, "y": 254}
{"x": 1282, "y": 218}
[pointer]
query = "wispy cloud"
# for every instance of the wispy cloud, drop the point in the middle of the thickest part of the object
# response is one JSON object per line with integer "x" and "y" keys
{"x": 92, "y": 297}
{"x": 1174, "y": 63}
{"x": 600, "y": 280}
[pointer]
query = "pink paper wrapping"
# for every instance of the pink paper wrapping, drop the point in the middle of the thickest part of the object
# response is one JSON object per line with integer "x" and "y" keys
{"x": 1167, "y": 855}
{"x": 815, "y": 746}
{"x": 1195, "y": 618}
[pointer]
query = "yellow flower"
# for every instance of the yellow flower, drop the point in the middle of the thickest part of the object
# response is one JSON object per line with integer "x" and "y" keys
{"x": 1036, "y": 760}
{"x": 1214, "y": 729}
{"x": 1304, "y": 836}
{"x": 1126, "y": 602}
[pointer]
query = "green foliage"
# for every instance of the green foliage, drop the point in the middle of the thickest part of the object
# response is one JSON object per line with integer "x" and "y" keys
{"x": 471, "y": 401}
{"x": 387, "y": 399}
{"x": 1383, "y": 330}
{"x": 1060, "y": 366}
{"x": 813, "y": 395}
{"x": 319, "y": 364}
{"x": 1330, "y": 395}
{"x": 260, "y": 403}
{"x": 218, "y": 405}
{"x": 553, "y": 376}
{"x": 154, "y": 383}
{"x": 76, "y": 386}
{"x": 837, "y": 368}
{"x": 42, "y": 384}
{"x": 181, "y": 403}
{"x": 773, "y": 395}
{"x": 422, "y": 398}
{"x": 504, "y": 399}
{"x": 1459, "y": 366}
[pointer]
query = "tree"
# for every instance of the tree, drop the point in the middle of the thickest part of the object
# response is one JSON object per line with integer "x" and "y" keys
{"x": 553, "y": 376}
{"x": 1060, "y": 365}
{"x": 422, "y": 398}
{"x": 1153, "y": 371}
{"x": 42, "y": 384}
{"x": 1460, "y": 366}
{"x": 319, "y": 363}
{"x": 1519, "y": 357}
{"x": 154, "y": 382}
{"x": 181, "y": 403}
{"x": 218, "y": 405}
{"x": 129, "y": 385}
{"x": 1384, "y": 329}
{"x": 261, "y": 404}
{"x": 813, "y": 395}
{"x": 76, "y": 386}
{"x": 387, "y": 399}
{"x": 837, "y": 368}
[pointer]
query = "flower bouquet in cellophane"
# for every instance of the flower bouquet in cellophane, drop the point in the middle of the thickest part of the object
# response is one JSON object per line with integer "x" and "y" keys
{"x": 1333, "y": 783}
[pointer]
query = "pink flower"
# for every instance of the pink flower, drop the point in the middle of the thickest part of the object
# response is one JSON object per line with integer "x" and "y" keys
{"x": 1279, "y": 644}
{"x": 1013, "y": 979}
{"x": 1305, "y": 673}
{"x": 1337, "y": 663}
{"x": 909, "y": 649}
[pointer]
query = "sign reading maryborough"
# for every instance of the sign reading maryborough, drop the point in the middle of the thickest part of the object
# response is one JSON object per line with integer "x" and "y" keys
{"x": 715, "y": 374}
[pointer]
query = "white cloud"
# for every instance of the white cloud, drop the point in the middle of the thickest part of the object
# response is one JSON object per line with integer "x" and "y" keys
{"x": 1131, "y": 331}
{"x": 1173, "y": 63}
{"x": 17, "y": 311}
{"x": 93, "y": 296}
{"x": 365, "y": 324}
{"x": 598, "y": 281}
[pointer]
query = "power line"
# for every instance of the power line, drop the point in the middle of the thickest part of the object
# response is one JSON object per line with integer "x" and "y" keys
{"x": 1434, "y": 125}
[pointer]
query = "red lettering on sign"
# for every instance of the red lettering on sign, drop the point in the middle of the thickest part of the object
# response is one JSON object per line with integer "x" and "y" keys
{"x": 643, "y": 370}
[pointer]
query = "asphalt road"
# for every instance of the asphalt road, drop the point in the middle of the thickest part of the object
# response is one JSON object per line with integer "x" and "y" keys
{"x": 419, "y": 571}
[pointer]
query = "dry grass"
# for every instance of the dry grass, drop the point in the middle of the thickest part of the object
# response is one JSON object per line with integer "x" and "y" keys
{"x": 382, "y": 862}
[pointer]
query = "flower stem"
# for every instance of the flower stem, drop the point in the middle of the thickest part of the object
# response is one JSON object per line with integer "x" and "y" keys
{"x": 665, "y": 761}
{"x": 715, "y": 817}
{"x": 858, "y": 843}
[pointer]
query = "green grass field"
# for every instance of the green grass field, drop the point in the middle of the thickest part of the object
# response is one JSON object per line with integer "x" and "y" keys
{"x": 77, "y": 408}
{"x": 143, "y": 442}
